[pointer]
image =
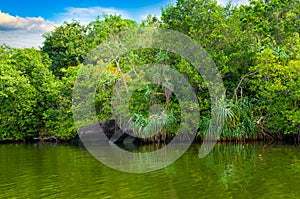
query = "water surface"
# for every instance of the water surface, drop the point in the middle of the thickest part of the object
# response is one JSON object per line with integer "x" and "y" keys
{"x": 229, "y": 171}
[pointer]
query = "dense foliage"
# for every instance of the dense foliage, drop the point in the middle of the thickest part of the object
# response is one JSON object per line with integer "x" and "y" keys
{"x": 256, "y": 48}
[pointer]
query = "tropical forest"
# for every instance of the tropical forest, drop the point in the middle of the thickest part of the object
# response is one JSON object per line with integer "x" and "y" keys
{"x": 255, "y": 47}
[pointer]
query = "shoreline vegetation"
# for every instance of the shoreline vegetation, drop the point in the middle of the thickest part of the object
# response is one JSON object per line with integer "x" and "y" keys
{"x": 290, "y": 139}
{"x": 255, "y": 47}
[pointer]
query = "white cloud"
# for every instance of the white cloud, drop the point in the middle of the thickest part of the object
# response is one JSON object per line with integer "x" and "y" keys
{"x": 22, "y": 32}
{"x": 33, "y": 24}
{"x": 21, "y": 39}
{"x": 142, "y": 15}
{"x": 234, "y": 2}
{"x": 86, "y": 15}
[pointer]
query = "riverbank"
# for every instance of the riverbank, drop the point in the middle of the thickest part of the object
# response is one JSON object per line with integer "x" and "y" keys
{"x": 115, "y": 135}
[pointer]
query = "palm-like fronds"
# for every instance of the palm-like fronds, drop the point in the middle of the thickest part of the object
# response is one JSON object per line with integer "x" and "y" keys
{"x": 152, "y": 125}
{"x": 237, "y": 117}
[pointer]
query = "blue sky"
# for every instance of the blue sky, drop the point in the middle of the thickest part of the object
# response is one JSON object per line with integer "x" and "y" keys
{"x": 52, "y": 10}
{"x": 22, "y": 22}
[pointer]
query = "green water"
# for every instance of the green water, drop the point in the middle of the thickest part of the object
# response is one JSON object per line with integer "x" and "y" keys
{"x": 229, "y": 171}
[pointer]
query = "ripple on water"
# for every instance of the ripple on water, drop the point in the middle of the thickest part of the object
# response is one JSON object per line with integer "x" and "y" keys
{"x": 229, "y": 171}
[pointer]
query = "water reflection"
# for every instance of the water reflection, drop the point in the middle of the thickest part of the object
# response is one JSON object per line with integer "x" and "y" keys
{"x": 229, "y": 171}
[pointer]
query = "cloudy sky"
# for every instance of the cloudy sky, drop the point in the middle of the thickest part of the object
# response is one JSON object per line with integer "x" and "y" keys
{"x": 22, "y": 22}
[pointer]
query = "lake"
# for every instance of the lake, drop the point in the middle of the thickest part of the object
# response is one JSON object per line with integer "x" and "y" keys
{"x": 229, "y": 171}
